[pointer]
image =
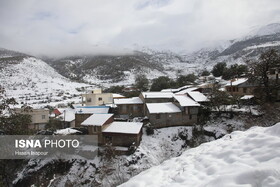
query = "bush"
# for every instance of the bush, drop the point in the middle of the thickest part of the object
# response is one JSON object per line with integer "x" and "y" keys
{"x": 205, "y": 73}
{"x": 149, "y": 130}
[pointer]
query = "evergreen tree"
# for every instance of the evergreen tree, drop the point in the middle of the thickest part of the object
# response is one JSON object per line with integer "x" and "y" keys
{"x": 141, "y": 82}
{"x": 162, "y": 82}
{"x": 219, "y": 69}
{"x": 185, "y": 80}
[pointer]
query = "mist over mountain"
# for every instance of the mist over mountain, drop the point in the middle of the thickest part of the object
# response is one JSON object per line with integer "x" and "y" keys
{"x": 107, "y": 70}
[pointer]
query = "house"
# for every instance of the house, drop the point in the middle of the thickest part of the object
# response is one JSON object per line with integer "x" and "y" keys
{"x": 129, "y": 107}
{"x": 273, "y": 73}
{"x": 185, "y": 91}
{"x": 177, "y": 89}
{"x": 67, "y": 117}
{"x": 96, "y": 98}
{"x": 96, "y": 123}
{"x": 206, "y": 88}
{"x": 129, "y": 89}
{"x": 82, "y": 113}
{"x": 56, "y": 112}
{"x": 164, "y": 114}
{"x": 240, "y": 87}
{"x": 188, "y": 107}
{"x": 183, "y": 111}
{"x": 198, "y": 97}
{"x": 39, "y": 117}
{"x": 123, "y": 134}
{"x": 118, "y": 96}
{"x": 208, "y": 78}
{"x": 156, "y": 97}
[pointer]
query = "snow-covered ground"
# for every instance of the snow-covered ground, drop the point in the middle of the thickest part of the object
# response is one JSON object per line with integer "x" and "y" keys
{"x": 268, "y": 44}
{"x": 153, "y": 150}
{"x": 250, "y": 158}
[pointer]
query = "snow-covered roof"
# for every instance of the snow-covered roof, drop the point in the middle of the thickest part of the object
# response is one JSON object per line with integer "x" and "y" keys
{"x": 124, "y": 127}
{"x": 177, "y": 89}
{"x": 112, "y": 105}
{"x": 187, "y": 90}
{"x": 155, "y": 108}
{"x": 170, "y": 90}
{"x": 205, "y": 85}
{"x": 133, "y": 100}
{"x": 68, "y": 115}
{"x": 245, "y": 97}
{"x": 97, "y": 119}
{"x": 92, "y": 110}
{"x": 61, "y": 110}
{"x": 236, "y": 82}
{"x": 157, "y": 94}
{"x": 185, "y": 101}
{"x": 66, "y": 131}
{"x": 117, "y": 95}
{"x": 197, "y": 96}
{"x": 185, "y": 87}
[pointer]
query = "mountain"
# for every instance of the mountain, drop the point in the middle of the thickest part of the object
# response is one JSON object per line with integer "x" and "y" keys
{"x": 121, "y": 70}
{"x": 109, "y": 70}
{"x": 32, "y": 81}
{"x": 238, "y": 50}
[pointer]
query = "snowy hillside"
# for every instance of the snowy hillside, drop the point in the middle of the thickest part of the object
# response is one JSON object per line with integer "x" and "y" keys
{"x": 32, "y": 81}
{"x": 240, "y": 49}
{"x": 153, "y": 150}
{"x": 121, "y": 70}
{"x": 108, "y": 70}
{"x": 270, "y": 29}
{"x": 250, "y": 158}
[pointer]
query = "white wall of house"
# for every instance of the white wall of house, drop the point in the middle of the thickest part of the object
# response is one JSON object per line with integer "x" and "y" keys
{"x": 97, "y": 98}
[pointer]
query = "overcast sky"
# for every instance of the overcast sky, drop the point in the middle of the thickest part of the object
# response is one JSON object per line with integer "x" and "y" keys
{"x": 65, "y": 27}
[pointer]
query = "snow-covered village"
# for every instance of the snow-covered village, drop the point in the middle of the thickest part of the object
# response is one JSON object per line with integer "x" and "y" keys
{"x": 163, "y": 104}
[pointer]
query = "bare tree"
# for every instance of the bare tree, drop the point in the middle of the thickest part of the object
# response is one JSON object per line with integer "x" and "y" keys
{"x": 259, "y": 73}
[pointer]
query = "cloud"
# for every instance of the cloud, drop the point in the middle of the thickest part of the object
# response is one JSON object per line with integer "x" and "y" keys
{"x": 69, "y": 27}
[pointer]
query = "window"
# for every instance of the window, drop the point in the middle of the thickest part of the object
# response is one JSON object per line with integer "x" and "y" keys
{"x": 43, "y": 116}
{"x": 190, "y": 117}
{"x": 272, "y": 71}
{"x": 94, "y": 128}
{"x": 157, "y": 116}
{"x": 186, "y": 110}
{"x": 100, "y": 99}
{"x": 244, "y": 90}
{"x": 108, "y": 139}
{"x": 135, "y": 108}
{"x": 127, "y": 108}
{"x": 193, "y": 110}
{"x": 88, "y": 100}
